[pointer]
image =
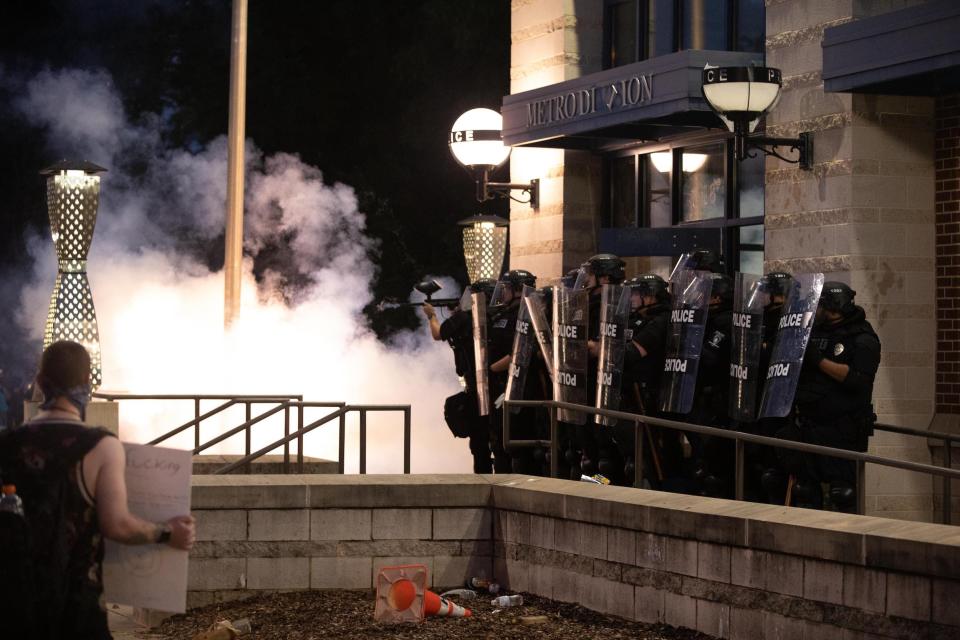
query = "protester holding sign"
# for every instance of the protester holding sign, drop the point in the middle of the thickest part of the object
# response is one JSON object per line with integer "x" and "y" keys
{"x": 70, "y": 478}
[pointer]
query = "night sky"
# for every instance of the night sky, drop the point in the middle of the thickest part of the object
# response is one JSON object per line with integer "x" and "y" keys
{"x": 366, "y": 90}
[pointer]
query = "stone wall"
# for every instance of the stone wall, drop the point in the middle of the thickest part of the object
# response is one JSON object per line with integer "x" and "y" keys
{"x": 732, "y": 570}
{"x": 553, "y": 41}
{"x": 864, "y": 215}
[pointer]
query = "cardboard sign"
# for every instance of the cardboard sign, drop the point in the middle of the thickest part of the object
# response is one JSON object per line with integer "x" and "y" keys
{"x": 151, "y": 576}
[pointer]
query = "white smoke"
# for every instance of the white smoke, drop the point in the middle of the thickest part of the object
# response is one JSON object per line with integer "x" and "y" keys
{"x": 160, "y": 311}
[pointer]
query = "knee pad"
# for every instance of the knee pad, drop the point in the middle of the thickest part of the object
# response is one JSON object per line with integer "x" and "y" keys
{"x": 773, "y": 482}
{"x": 843, "y": 496}
{"x": 714, "y": 486}
{"x": 807, "y": 493}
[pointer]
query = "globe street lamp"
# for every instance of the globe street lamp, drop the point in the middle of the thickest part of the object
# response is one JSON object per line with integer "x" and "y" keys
{"x": 741, "y": 96}
{"x": 484, "y": 246}
{"x": 477, "y": 144}
{"x": 73, "y": 196}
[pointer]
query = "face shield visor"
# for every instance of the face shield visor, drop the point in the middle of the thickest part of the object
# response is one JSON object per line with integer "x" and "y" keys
{"x": 502, "y": 294}
{"x": 466, "y": 300}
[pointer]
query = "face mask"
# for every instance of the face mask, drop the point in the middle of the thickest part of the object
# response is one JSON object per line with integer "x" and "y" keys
{"x": 78, "y": 396}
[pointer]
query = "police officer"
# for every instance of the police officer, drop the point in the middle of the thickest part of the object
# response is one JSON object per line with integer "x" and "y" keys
{"x": 715, "y": 471}
{"x": 599, "y": 454}
{"x": 643, "y": 368}
{"x": 461, "y": 409}
{"x": 502, "y": 322}
{"x": 834, "y": 396}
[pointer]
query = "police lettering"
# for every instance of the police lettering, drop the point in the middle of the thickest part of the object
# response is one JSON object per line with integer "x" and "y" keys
{"x": 742, "y": 320}
{"x": 523, "y": 327}
{"x": 778, "y": 370}
{"x": 739, "y": 372}
{"x": 675, "y": 365}
{"x": 606, "y": 379}
{"x": 571, "y": 331}
{"x": 792, "y": 320}
{"x": 514, "y": 370}
{"x": 682, "y": 316}
{"x": 567, "y": 379}
{"x": 608, "y": 330}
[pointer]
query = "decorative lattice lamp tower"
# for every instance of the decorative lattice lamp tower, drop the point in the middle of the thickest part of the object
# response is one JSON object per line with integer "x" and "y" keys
{"x": 484, "y": 245}
{"x": 73, "y": 195}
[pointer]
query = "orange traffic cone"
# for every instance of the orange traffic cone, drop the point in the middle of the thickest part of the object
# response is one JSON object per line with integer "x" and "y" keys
{"x": 435, "y": 605}
{"x": 402, "y": 596}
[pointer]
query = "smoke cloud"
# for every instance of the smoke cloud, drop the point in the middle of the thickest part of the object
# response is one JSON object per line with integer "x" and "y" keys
{"x": 160, "y": 308}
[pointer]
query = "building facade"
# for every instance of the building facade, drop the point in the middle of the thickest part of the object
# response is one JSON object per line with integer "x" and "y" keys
{"x": 606, "y": 111}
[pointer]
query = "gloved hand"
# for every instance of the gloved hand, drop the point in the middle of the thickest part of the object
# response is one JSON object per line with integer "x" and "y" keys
{"x": 812, "y": 356}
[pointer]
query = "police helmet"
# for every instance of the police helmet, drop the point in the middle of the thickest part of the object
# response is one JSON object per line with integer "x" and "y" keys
{"x": 706, "y": 260}
{"x": 837, "y": 297}
{"x": 570, "y": 279}
{"x": 517, "y": 278}
{"x": 722, "y": 287}
{"x": 607, "y": 264}
{"x": 778, "y": 283}
{"x": 650, "y": 284}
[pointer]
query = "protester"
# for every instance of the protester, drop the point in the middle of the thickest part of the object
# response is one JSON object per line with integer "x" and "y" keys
{"x": 70, "y": 478}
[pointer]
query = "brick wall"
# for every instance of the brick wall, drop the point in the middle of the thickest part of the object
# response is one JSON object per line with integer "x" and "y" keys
{"x": 729, "y": 569}
{"x": 948, "y": 252}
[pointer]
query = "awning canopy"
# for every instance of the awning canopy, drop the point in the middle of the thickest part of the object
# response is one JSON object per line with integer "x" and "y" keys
{"x": 914, "y": 51}
{"x": 650, "y": 100}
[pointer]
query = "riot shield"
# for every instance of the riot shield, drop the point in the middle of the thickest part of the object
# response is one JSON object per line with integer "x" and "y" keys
{"x": 688, "y": 320}
{"x": 524, "y": 341}
{"x": 793, "y": 333}
{"x": 746, "y": 342}
{"x": 478, "y": 311}
{"x": 533, "y": 300}
{"x": 614, "y": 318}
{"x": 570, "y": 319}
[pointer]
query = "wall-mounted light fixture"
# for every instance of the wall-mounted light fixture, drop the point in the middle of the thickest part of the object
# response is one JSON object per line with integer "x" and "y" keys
{"x": 484, "y": 246}
{"x": 73, "y": 197}
{"x": 663, "y": 161}
{"x": 741, "y": 96}
{"x": 476, "y": 142}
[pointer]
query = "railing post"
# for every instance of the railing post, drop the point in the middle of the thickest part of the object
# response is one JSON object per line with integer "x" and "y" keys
{"x": 406, "y": 439}
{"x": 247, "y": 435}
{"x": 286, "y": 445}
{"x": 947, "y": 483}
{"x": 739, "y": 461}
{"x": 341, "y": 461}
{"x": 300, "y": 440}
{"x": 637, "y": 454}
{"x": 554, "y": 443}
{"x": 861, "y": 487}
{"x": 363, "y": 441}
{"x": 196, "y": 423}
{"x": 505, "y": 429}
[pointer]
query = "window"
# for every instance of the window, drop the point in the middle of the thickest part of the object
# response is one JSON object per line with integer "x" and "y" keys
{"x": 696, "y": 186}
{"x": 639, "y": 29}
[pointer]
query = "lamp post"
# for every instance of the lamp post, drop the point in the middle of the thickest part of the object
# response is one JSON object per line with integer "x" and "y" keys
{"x": 484, "y": 245}
{"x": 73, "y": 196}
{"x": 740, "y": 96}
{"x": 477, "y": 144}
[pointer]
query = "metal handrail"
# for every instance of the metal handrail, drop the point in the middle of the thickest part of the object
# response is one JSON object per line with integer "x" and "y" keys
{"x": 739, "y": 438}
{"x": 340, "y": 413}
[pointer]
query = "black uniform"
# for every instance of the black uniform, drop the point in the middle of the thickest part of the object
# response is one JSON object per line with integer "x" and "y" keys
{"x": 838, "y": 414}
{"x": 502, "y": 322}
{"x": 663, "y": 453}
{"x": 457, "y": 331}
{"x": 712, "y": 403}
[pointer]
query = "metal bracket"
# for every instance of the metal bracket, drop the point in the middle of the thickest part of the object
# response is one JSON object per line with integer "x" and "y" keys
{"x": 747, "y": 145}
{"x": 487, "y": 190}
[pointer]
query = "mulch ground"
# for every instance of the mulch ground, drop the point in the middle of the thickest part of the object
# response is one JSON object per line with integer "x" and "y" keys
{"x": 348, "y": 615}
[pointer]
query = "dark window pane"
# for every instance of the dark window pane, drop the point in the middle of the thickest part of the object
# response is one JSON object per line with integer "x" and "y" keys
{"x": 623, "y": 192}
{"x": 623, "y": 33}
{"x": 704, "y": 190}
{"x": 659, "y": 28}
{"x": 751, "y": 186}
{"x": 657, "y": 200}
{"x": 705, "y": 24}
{"x": 751, "y": 25}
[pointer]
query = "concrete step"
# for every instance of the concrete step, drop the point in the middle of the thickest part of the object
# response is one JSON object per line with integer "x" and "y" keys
{"x": 207, "y": 464}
